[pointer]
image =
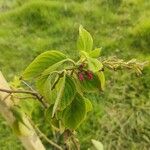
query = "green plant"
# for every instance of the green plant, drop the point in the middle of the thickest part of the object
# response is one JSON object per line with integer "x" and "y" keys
{"x": 61, "y": 85}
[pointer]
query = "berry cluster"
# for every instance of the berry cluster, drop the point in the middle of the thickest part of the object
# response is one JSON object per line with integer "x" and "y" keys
{"x": 84, "y": 73}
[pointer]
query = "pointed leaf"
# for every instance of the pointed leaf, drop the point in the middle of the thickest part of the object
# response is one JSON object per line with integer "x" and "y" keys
{"x": 85, "y": 41}
{"x": 75, "y": 113}
{"x": 54, "y": 67}
{"x": 94, "y": 65}
{"x": 95, "y": 53}
{"x": 42, "y": 62}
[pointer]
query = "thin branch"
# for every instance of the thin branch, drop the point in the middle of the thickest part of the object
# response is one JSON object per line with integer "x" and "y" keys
{"x": 39, "y": 97}
{"x": 45, "y": 137}
{"x": 25, "y": 97}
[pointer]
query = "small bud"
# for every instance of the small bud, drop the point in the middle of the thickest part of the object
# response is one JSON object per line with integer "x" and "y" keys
{"x": 80, "y": 76}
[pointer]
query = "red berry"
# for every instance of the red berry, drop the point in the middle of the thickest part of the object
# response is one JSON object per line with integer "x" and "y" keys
{"x": 80, "y": 76}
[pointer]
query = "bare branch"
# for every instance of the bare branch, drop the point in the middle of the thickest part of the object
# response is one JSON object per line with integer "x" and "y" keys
{"x": 39, "y": 97}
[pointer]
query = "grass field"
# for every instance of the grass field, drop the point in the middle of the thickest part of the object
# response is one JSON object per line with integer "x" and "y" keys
{"x": 121, "y": 115}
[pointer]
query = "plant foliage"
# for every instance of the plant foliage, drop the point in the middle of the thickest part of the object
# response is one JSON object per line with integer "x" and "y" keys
{"x": 63, "y": 82}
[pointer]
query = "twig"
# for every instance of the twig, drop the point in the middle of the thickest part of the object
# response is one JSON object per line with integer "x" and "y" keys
{"x": 45, "y": 137}
{"x": 39, "y": 97}
{"x": 25, "y": 97}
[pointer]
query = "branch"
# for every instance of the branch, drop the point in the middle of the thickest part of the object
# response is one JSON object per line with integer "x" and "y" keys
{"x": 45, "y": 137}
{"x": 26, "y": 92}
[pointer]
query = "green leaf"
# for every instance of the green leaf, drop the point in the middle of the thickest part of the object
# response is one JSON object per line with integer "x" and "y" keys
{"x": 68, "y": 94}
{"x": 75, "y": 113}
{"x": 85, "y": 41}
{"x": 95, "y": 53}
{"x": 88, "y": 104}
{"x": 42, "y": 62}
{"x": 40, "y": 82}
{"x": 60, "y": 89}
{"x": 101, "y": 77}
{"x": 55, "y": 67}
{"x": 94, "y": 65}
{"x": 44, "y": 85}
{"x": 98, "y": 145}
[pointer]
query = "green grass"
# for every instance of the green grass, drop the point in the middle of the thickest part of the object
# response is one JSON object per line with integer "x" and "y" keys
{"x": 120, "y": 119}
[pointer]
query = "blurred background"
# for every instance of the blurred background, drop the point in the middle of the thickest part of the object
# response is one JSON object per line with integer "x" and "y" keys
{"x": 121, "y": 115}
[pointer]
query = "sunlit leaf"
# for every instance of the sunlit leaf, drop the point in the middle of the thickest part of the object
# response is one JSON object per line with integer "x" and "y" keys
{"x": 95, "y": 53}
{"x": 54, "y": 67}
{"x": 42, "y": 62}
{"x": 94, "y": 65}
{"x": 85, "y": 41}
